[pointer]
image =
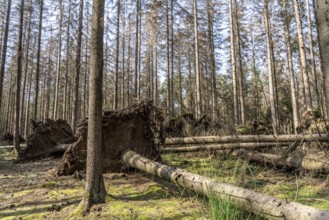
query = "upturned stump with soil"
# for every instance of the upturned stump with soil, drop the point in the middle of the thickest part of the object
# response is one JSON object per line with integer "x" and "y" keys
{"x": 46, "y": 136}
{"x": 137, "y": 128}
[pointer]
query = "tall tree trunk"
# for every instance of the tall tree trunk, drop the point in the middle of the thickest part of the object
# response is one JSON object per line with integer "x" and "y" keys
{"x": 55, "y": 110}
{"x": 313, "y": 68}
{"x": 4, "y": 51}
{"x": 76, "y": 105}
{"x": 123, "y": 58}
{"x": 172, "y": 41}
{"x": 36, "y": 95}
{"x": 116, "y": 82}
{"x": 169, "y": 98}
{"x": 18, "y": 79}
{"x": 129, "y": 77}
{"x": 290, "y": 68}
{"x": 270, "y": 69}
{"x": 323, "y": 28}
{"x": 233, "y": 66}
{"x": 136, "y": 50}
{"x": 197, "y": 72}
{"x": 181, "y": 102}
{"x": 67, "y": 63}
{"x": 95, "y": 188}
{"x": 26, "y": 68}
{"x": 241, "y": 76}
{"x": 212, "y": 59}
{"x": 304, "y": 72}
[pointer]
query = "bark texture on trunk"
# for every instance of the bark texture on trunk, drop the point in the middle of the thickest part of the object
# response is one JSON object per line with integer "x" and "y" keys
{"x": 223, "y": 146}
{"x": 258, "y": 203}
{"x": 95, "y": 188}
{"x": 248, "y": 138}
{"x": 301, "y": 162}
{"x": 323, "y": 27}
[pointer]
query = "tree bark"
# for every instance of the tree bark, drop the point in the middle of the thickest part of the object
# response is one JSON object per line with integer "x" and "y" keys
{"x": 233, "y": 67}
{"x": 76, "y": 105}
{"x": 295, "y": 162}
{"x": 116, "y": 82}
{"x": 18, "y": 79}
{"x": 323, "y": 27}
{"x": 4, "y": 51}
{"x": 198, "y": 103}
{"x": 248, "y": 138}
{"x": 290, "y": 69}
{"x": 270, "y": 69}
{"x": 224, "y": 146}
{"x": 95, "y": 188}
{"x": 136, "y": 93}
{"x": 37, "y": 73}
{"x": 55, "y": 110}
{"x": 304, "y": 72}
{"x": 212, "y": 59}
{"x": 258, "y": 203}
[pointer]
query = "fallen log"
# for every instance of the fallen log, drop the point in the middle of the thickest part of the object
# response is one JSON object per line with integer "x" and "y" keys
{"x": 225, "y": 146}
{"x": 296, "y": 161}
{"x": 247, "y": 138}
{"x": 258, "y": 203}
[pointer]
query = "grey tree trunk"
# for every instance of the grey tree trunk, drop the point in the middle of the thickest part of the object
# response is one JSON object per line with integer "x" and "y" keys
{"x": 4, "y": 51}
{"x": 270, "y": 69}
{"x": 290, "y": 68}
{"x": 198, "y": 104}
{"x": 55, "y": 110}
{"x": 169, "y": 98}
{"x": 233, "y": 66}
{"x": 263, "y": 205}
{"x": 37, "y": 73}
{"x": 76, "y": 105}
{"x": 66, "y": 83}
{"x": 304, "y": 72}
{"x": 323, "y": 27}
{"x": 95, "y": 188}
{"x": 116, "y": 82}
{"x": 313, "y": 68}
{"x": 18, "y": 79}
{"x": 212, "y": 59}
{"x": 136, "y": 93}
{"x": 248, "y": 138}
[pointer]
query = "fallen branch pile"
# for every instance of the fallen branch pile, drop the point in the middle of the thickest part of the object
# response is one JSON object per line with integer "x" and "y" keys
{"x": 258, "y": 203}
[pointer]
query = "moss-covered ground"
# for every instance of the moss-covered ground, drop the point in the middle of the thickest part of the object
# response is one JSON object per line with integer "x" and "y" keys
{"x": 30, "y": 191}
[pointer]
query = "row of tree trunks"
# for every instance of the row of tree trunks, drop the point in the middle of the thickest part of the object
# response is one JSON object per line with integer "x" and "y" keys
{"x": 258, "y": 203}
{"x": 300, "y": 162}
{"x": 224, "y": 146}
{"x": 248, "y": 138}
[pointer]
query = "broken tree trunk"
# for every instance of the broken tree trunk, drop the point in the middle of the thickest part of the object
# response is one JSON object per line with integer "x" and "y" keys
{"x": 297, "y": 161}
{"x": 230, "y": 146}
{"x": 248, "y": 138}
{"x": 258, "y": 203}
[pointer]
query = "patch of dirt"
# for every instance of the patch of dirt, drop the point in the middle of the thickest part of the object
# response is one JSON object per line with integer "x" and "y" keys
{"x": 30, "y": 191}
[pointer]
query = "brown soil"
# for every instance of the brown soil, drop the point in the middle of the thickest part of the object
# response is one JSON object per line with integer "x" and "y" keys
{"x": 45, "y": 137}
{"x": 137, "y": 128}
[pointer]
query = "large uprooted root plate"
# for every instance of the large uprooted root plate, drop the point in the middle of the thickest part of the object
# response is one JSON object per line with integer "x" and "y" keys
{"x": 137, "y": 128}
{"x": 45, "y": 137}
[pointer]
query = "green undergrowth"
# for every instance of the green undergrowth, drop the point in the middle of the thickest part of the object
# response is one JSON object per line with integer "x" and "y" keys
{"x": 308, "y": 189}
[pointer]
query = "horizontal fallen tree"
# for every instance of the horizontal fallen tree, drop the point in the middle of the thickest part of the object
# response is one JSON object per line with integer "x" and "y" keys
{"x": 295, "y": 161}
{"x": 258, "y": 203}
{"x": 224, "y": 146}
{"x": 248, "y": 138}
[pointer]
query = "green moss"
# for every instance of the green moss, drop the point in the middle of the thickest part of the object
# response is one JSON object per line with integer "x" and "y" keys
{"x": 22, "y": 193}
{"x": 49, "y": 185}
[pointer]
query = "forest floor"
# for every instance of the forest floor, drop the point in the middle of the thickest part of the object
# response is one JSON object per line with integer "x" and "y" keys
{"x": 29, "y": 191}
